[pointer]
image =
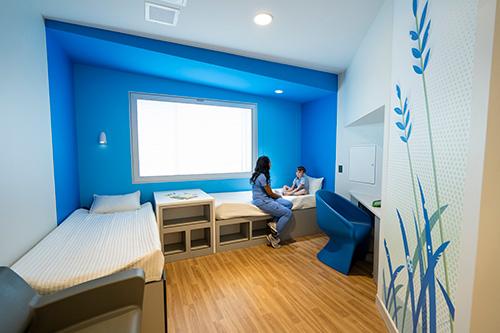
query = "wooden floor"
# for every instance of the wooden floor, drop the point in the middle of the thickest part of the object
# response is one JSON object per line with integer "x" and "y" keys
{"x": 260, "y": 289}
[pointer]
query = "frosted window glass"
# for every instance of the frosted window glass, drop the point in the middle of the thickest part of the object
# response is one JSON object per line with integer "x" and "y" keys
{"x": 179, "y": 139}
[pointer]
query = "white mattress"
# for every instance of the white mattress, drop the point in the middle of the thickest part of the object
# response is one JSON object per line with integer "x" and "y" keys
{"x": 230, "y": 205}
{"x": 88, "y": 246}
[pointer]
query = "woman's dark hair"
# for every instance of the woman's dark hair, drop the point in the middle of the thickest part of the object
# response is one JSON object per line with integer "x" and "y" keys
{"x": 262, "y": 166}
{"x": 301, "y": 168}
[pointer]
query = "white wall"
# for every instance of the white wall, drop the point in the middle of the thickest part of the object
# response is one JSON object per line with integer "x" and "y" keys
{"x": 363, "y": 95}
{"x": 27, "y": 211}
{"x": 479, "y": 301}
{"x": 365, "y": 83}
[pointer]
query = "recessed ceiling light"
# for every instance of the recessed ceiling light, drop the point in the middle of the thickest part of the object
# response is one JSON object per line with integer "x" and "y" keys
{"x": 263, "y": 19}
{"x": 278, "y": 91}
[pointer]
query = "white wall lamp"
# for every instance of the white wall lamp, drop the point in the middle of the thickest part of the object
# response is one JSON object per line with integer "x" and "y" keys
{"x": 103, "y": 141}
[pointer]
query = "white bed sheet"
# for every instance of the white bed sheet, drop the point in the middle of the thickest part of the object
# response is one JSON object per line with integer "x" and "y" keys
{"x": 230, "y": 205}
{"x": 88, "y": 246}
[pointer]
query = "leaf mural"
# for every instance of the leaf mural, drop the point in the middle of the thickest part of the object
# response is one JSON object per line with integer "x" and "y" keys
{"x": 391, "y": 288}
{"x": 423, "y": 30}
{"x": 409, "y": 267}
{"x": 426, "y": 299}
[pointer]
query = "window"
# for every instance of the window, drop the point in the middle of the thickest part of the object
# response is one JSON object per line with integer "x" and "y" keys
{"x": 181, "y": 138}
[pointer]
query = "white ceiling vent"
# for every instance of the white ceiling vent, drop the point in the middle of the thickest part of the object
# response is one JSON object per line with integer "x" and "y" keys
{"x": 161, "y": 14}
{"x": 177, "y": 3}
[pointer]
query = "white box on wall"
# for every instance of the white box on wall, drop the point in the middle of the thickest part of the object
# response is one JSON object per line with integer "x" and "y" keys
{"x": 362, "y": 160}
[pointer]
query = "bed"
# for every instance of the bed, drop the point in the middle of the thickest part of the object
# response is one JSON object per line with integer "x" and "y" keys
{"x": 88, "y": 246}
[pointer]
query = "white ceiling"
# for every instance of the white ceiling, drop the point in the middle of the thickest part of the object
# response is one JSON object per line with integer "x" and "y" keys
{"x": 318, "y": 34}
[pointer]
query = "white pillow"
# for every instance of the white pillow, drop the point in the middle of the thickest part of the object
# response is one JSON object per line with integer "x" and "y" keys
{"x": 315, "y": 184}
{"x": 103, "y": 204}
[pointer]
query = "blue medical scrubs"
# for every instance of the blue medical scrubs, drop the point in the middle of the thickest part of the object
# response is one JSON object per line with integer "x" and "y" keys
{"x": 280, "y": 209}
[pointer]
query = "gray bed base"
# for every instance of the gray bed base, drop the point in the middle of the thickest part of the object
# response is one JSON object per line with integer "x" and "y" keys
{"x": 303, "y": 223}
{"x": 154, "y": 314}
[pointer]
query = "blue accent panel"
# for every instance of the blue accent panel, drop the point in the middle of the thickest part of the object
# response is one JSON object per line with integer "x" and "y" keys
{"x": 63, "y": 130}
{"x": 101, "y": 104}
{"x": 191, "y": 64}
{"x": 319, "y": 128}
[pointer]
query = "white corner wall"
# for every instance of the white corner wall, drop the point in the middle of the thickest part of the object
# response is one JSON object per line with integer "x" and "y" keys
{"x": 27, "y": 198}
{"x": 363, "y": 90}
{"x": 364, "y": 87}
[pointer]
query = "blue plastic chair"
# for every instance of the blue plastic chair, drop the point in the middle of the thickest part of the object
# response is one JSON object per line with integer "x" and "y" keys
{"x": 348, "y": 228}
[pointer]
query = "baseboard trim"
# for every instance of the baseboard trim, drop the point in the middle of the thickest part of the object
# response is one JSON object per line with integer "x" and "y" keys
{"x": 386, "y": 317}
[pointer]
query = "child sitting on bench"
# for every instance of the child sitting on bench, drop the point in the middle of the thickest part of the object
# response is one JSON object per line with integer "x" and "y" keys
{"x": 300, "y": 185}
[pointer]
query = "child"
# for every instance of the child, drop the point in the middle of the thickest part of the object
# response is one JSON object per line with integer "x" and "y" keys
{"x": 269, "y": 201}
{"x": 300, "y": 185}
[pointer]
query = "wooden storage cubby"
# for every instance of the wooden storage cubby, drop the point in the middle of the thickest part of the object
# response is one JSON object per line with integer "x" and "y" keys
{"x": 241, "y": 232}
{"x": 260, "y": 228}
{"x": 183, "y": 215}
{"x": 186, "y": 225}
{"x": 234, "y": 233}
{"x": 174, "y": 242}
{"x": 201, "y": 239}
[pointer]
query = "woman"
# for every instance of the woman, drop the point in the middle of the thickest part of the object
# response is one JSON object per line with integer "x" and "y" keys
{"x": 269, "y": 201}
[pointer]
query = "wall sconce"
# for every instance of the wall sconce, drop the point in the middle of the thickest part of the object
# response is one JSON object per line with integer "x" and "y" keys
{"x": 102, "y": 139}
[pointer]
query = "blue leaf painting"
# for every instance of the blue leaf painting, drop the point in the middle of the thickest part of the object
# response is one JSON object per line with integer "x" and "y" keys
{"x": 421, "y": 270}
{"x": 426, "y": 37}
{"x": 426, "y": 60}
{"x": 404, "y": 112}
{"x": 409, "y": 267}
{"x": 415, "y": 6}
{"x": 393, "y": 275}
{"x": 385, "y": 288}
{"x": 417, "y": 69}
{"x": 423, "y": 17}
{"x": 413, "y": 35}
{"x": 416, "y": 53}
{"x": 447, "y": 299}
{"x": 408, "y": 133}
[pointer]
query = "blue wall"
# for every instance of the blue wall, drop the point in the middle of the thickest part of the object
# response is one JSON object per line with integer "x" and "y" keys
{"x": 319, "y": 136}
{"x": 63, "y": 130}
{"x": 101, "y": 103}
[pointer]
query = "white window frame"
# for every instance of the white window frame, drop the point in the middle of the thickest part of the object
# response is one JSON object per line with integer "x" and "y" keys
{"x": 137, "y": 179}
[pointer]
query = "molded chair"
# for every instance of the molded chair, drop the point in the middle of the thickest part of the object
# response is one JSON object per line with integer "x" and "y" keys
{"x": 109, "y": 304}
{"x": 348, "y": 228}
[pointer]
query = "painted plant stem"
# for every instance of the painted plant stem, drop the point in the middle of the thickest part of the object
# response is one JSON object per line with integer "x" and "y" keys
{"x": 406, "y": 126}
{"x": 392, "y": 289}
{"x": 419, "y": 54}
{"x": 429, "y": 283}
{"x": 421, "y": 273}
{"x": 405, "y": 119}
{"x": 409, "y": 270}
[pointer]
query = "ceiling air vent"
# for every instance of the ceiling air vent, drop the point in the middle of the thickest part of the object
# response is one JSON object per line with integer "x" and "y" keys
{"x": 177, "y": 3}
{"x": 161, "y": 14}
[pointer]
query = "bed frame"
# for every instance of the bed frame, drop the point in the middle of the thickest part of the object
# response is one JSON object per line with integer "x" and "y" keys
{"x": 154, "y": 314}
{"x": 242, "y": 232}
